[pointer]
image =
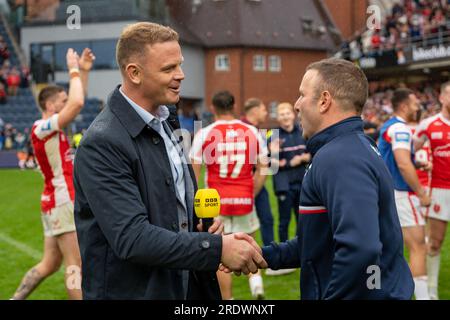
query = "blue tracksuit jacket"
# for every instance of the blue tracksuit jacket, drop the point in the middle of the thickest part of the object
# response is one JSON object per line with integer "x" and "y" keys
{"x": 348, "y": 224}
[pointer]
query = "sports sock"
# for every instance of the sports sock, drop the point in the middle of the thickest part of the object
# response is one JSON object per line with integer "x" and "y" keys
{"x": 433, "y": 263}
{"x": 421, "y": 289}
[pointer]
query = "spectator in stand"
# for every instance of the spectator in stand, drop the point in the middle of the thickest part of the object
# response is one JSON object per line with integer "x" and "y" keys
{"x": 30, "y": 162}
{"x": 25, "y": 77}
{"x": 13, "y": 81}
{"x": 2, "y": 133}
{"x": 21, "y": 148}
{"x": 4, "y": 52}
{"x": 376, "y": 40}
{"x": 3, "y": 99}
{"x": 2, "y": 139}
{"x": 3, "y": 78}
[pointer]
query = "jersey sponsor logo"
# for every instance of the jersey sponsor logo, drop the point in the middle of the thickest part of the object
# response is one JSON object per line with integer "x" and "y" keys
{"x": 437, "y": 135}
{"x": 236, "y": 201}
{"x": 442, "y": 151}
{"x": 402, "y": 137}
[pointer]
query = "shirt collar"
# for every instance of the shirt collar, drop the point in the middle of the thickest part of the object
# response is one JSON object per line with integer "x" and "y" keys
{"x": 162, "y": 112}
{"x": 351, "y": 124}
{"x": 401, "y": 119}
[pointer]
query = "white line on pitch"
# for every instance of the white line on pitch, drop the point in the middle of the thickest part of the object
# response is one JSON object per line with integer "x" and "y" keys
{"x": 21, "y": 246}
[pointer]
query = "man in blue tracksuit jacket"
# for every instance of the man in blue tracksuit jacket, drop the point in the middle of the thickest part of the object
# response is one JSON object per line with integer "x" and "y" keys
{"x": 349, "y": 243}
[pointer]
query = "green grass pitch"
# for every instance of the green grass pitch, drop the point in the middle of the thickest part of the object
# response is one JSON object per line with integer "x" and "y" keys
{"x": 20, "y": 222}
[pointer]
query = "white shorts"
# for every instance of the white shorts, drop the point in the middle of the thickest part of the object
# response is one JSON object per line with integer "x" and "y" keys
{"x": 59, "y": 220}
{"x": 409, "y": 210}
{"x": 247, "y": 223}
{"x": 440, "y": 204}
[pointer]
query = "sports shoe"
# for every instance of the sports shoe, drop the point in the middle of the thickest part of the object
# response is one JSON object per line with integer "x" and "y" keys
{"x": 280, "y": 272}
{"x": 433, "y": 292}
{"x": 256, "y": 287}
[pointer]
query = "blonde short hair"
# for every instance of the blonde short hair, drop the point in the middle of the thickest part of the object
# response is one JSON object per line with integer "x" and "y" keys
{"x": 285, "y": 105}
{"x": 135, "y": 37}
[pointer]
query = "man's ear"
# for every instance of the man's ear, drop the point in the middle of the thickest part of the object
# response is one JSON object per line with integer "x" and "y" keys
{"x": 324, "y": 102}
{"x": 133, "y": 73}
{"x": 49, "y": 106}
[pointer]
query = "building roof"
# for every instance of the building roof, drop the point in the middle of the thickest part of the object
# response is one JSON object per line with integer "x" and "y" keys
{"x": 287, "y": 24}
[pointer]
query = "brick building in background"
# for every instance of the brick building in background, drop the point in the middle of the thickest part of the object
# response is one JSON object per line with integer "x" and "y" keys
{"x": 258, "y": 48}
{"x": 349, "y": 15}
{"x": 254, "y": 48}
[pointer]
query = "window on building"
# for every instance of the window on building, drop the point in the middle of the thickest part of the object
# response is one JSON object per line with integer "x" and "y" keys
{"x": 61, "y": 52}
{"x": 105, "y": 54}
{"x": 104, "y": 50}
{"x": 273, "y": 109}
{"x": 259, "y": 62}
{"x": 274, "y": 63}
{"x": 307, "y": 24}
{"x": 222, "y": 62}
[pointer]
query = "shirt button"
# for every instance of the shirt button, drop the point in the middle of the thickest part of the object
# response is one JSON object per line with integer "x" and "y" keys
{"x": 174, "y": 226}
{"x": 168, "y": 181}
{"x": 205, "y": 244}
{"x": 184, "y": 225}
{"x": 155, "y": 140}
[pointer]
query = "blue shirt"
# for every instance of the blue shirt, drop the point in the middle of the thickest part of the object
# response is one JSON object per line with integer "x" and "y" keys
{"x": 395, "y": 134}
{"x": 175, "y": 155}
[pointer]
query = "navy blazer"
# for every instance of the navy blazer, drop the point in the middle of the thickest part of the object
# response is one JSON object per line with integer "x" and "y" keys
{"x": 126, "y": 215}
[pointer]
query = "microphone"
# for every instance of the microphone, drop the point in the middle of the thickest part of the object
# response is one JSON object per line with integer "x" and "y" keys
{"x": 207, "y": 206}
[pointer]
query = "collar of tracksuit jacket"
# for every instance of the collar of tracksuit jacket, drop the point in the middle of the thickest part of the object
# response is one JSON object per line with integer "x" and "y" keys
{"x": 346, "y": 126}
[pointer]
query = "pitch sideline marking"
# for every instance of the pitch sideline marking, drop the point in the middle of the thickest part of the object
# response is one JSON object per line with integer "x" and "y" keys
{"x": 35, "y": 254}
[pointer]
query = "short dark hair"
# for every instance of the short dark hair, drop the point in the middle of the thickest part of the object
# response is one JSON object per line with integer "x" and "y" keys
{"x": 346, "y": 82}
{"x": 251, "y": 103}
{"x": 400, "y": 96}
{"x": 48, "y": 93}
{"x": 223, "y": 102}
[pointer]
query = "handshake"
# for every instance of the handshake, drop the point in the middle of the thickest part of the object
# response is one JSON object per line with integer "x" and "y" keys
{"x": 240, "y": 252}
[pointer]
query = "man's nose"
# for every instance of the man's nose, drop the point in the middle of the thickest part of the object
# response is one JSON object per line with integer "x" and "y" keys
{"x": 180, "y": 74}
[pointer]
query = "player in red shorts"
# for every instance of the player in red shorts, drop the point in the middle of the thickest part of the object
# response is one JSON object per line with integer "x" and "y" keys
{"x": 55, "y": 159}
{"x": 231, "y": 149}
{"x": 436, "y": 130}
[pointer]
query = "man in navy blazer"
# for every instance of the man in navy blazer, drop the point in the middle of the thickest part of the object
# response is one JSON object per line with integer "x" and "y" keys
{"x": 135, "y": 191}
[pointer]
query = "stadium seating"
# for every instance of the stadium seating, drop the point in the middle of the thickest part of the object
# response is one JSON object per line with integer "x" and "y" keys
{"x": 21, "y": 111}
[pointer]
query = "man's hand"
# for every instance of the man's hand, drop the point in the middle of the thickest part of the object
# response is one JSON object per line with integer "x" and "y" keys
{"x": 425, "y": 199}
{"x": 241, "y": 253}
{"x": 296, "y": 161}
{"x": 425, "y": 166}
{"x": 87, "y": 60}
{"x": 72, "y": 59}
{"x": 216, "y": 227}
{"x": 299, "y": 159}
{"x": 275, "y": 146}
